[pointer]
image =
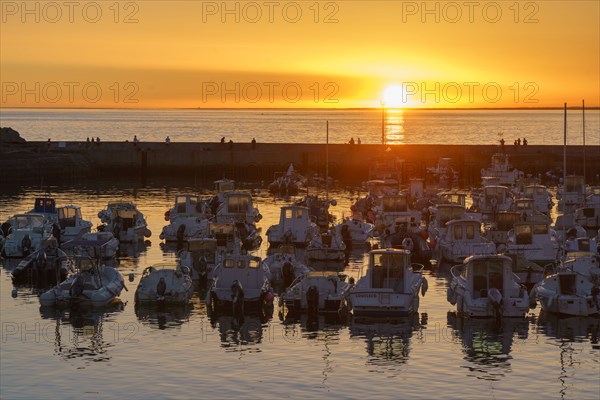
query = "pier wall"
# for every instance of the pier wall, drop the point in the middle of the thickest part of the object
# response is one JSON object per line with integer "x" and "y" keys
{"x": 243, "y": 162}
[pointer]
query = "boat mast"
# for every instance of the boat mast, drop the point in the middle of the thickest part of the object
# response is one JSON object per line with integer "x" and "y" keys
{"x": 327, "y": 163}
{"x": 583, "y": 127}
{"x": 564, "y": 188}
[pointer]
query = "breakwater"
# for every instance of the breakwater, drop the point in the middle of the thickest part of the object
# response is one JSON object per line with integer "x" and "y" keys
{"x": 350, "y": 163}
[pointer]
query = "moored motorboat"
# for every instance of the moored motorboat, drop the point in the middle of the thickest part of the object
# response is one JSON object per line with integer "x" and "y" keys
{"x": 316, "y": 292}
{"x": 48, "y": 264}
{"x": 485, "y": 286}
{"x": 125, "y": 221}
{"x": 167, "y": 283}
{"x": 389, "y": 286}
{"x": 93, "y": 285}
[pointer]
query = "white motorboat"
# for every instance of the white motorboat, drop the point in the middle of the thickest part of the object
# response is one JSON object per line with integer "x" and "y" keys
{"x": 574, "y": 289}
{"x": 541, "y": 196}
{"x": 440, "y": 215}
{"x": 48, "y": 264}
{"x": 359, "y": 232}
{"x": 316, "y": 292}
{"x": 188, "y": 219}
{"x": 294, "y": 227}
{"x": 239, "y": 281}
{"x": 485, "y": 286}
{"x": 200, "y": 256}
{"x": 236, "y": 207}
{"x": 582, "y": 244}
{"x": 284, "y": 266}
{"x": 94, "y": 285}
{"x": 588, "y": 217}
{"x": 326, "y": 246}
{"x": 498, "y": 230}
{"x": 572, "y": 193}
{"x": 125, "y": 221}
{"x": 443, "y": 173}
{"x": 25, "y": 235}
{"x": 534, "y": 241}
{"x": 389, "y": 286}
{"x": 94, "y": 245}
{"x": 463, "y": 239}
{"x": 393, "y": 210}
{"x": 503, "y": 170}
{"x": 167, "y": 283}
{"x": 495, "y": 199}
{"x": 67, "y": 221}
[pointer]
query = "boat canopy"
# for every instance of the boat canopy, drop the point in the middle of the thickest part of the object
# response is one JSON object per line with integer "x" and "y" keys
{"x": 46, "y": 205}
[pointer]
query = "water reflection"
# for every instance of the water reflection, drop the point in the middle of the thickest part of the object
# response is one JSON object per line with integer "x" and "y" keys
{"x": 240, "y": 333}
{"x": 487, "y": 343}
{"x": 574, "y": 329}
{"x": 394, "y": 127}
{"x": 164, "y": 316}
{"x": 86, "y": 334}
{"x": 387, "y": 341}
{"x": 133, "y": 250}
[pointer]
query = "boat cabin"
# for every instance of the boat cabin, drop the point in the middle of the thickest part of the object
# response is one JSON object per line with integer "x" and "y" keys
{"x": 506, "y": 220}
{"x": 394, "y": 204}
{"x": 525, "y": 231}
{"x": 45, "y": 205}
{"x": 294, "y": 218}
{"x": 490, "y": 181}
{"x": 453, "y": 198}
{"x": 448, "y": 212}
{"x": 387, "y": 269}
{"x": 486, "y": 272}
{"x": 248, "y": 270}
{"x": 224, "y": 185}
{"x": 69, "y": 216}
{"x": 574, "y": 184}
{"x": 223, "y": 233}
{"x": 188, "y": 205}
{"x": 533, "y": 191}
{"x": 500, "y": 193}
{"x": 463, "y": 229}
{"x": 34, "y": 222}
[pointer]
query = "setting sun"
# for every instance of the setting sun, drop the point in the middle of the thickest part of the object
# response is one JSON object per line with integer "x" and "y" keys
{"x": 393, "y": 97}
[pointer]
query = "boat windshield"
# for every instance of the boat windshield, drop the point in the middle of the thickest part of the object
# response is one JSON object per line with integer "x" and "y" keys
{"x": 388, "y": 270}
{"x": 394, "y": 204}
{"x": 487, "y": 274}
{"x": 449, "y": 213}
{"x": 29, "y": 221}
{"x": 238, "y": 203}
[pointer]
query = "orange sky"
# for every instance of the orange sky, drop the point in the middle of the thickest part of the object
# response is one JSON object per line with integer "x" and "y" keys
{"x": 299, "y": 54}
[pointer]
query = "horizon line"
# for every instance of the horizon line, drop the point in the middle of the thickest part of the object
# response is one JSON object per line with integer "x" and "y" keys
{"x": 579, "y": 107}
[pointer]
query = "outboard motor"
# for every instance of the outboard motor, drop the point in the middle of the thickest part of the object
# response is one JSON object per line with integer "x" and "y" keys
{"x": 180, "y": 233}
{"x": 56, "y": 232}
{"x": 26, "y": 245}
{"x": 76, "y": 289}
{"x": 161, "y": 288}
{"x": 5, "y": 228}
{"x": 312, "y": 301}
{"x": 237, "y": 298}
{"x": 496, "y": 298}
{"x": 287, "y": 272}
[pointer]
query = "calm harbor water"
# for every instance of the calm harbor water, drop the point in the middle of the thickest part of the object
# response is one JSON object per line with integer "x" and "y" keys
{"x": 305, "y": 126}
{"x": 181, "y": 353}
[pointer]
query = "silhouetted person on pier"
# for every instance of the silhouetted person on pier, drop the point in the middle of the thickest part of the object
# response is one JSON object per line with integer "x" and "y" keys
{"x": 167, "y": 140}
{"x": 518, "y": 141}
{"x": 524, "y": 141}
{"x": 230, "y": 144}
{"x": 359, "y": 142}
{"x": 502, "y": 143}
{"x": 351, "y": 140}
{"x": 253, "y": 143}
{"x": 98, "y": 140}
{"x": 223, "y": 139}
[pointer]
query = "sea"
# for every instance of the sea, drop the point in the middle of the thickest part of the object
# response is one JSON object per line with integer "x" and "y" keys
{"x": 182, "y": 352}
{"x": 128, "y": 352}
{"x": 538, "y": 126}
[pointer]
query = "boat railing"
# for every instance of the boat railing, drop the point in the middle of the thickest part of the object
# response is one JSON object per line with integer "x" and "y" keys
{"x": 456, "y": 270}
{"x": 416, "y": 267}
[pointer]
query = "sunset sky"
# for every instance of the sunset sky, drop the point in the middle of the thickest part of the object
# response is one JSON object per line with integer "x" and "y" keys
{"x": 300, "y": 54}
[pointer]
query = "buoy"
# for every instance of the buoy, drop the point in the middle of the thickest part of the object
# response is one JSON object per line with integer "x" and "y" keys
{"x": 14, "y": 293}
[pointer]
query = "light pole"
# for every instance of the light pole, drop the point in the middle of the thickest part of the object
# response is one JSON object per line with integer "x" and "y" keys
{"x": 382, "y": 121}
